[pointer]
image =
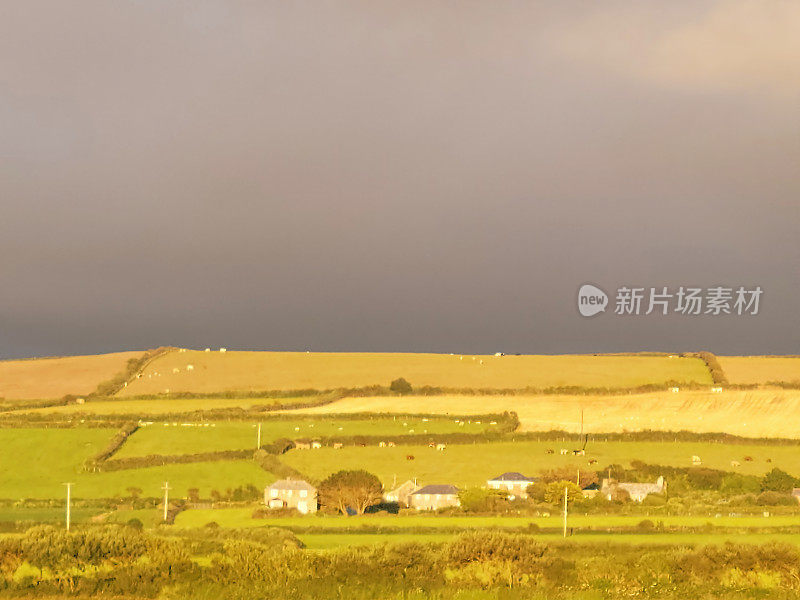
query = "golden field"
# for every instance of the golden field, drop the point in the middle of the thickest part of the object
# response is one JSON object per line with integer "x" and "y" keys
{"x": 46, "y": 378}
{"x": 760, "y": 369}
{"x": 254, "y": 371}
{"x": 752, "y": 413}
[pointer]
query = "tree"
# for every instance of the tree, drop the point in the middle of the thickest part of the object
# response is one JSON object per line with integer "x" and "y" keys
{"x": 193, "y": 494}
{"x": 357, "y": 490}
{"x": 401, "y": 386}
{"x": 777, "y": 481}
{"x": 554, "y": 492}
{"x": 134, "y": 492}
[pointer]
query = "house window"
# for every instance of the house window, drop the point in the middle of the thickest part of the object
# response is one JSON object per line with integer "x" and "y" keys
{"x": 289, "y": 493}
{"x": 273, "y": 493}
{"x": 303, "y": 493}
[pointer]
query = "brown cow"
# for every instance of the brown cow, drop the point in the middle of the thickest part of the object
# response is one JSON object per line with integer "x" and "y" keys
{"x": 409, "y": 457}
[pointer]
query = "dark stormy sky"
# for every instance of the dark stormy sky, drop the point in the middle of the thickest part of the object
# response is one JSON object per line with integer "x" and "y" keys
{"x": 394, "y": 176}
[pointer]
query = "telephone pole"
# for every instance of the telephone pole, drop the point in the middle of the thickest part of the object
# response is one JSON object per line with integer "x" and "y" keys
{"x": 166, "y": 489}
{"x": 565, "y": 511}
{"x": 258, "y": 442}
{"x": 69, "y": 499}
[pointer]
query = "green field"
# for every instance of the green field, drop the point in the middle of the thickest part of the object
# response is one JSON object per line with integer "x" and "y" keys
{"x": 253, "y": 371}
{"x": 35, "y": 462}
{"x": 473, "y": 464}
{"x": 241, "y": 517}
{"x": 181, "y": 477}
{"x": 192, "y": 438}
{"x": 145, "y": 408}
{"x": 760, "y": 369}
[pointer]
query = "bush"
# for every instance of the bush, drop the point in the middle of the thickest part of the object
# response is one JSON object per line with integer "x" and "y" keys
{"x": 778, "y": 481}
{"x": 775, "y": 499}
{"x": 401, "y": 386}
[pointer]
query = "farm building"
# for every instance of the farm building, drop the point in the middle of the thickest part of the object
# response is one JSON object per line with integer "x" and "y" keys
{"x": 401, "y": 494}
{"x": 796, "y": 494}
{"x": 636, "y": 491}
{"x": 434, "y": 497}
{"x": 291, "y": 493}
{"x": 591, "y": 490}
{"x": 516, "y": 484}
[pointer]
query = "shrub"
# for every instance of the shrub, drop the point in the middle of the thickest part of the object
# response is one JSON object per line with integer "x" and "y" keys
{"x": 775, "y": 499}
{"x": 400, "y": 386}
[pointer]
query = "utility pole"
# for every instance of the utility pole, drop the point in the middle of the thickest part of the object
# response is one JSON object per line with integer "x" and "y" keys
{"x": 565, "y": 511}
{"x": 69, "y": 498}
{"x": 258, "y": 443}
{"x": 579, "y": 477}
{"x": 166, "y": 488}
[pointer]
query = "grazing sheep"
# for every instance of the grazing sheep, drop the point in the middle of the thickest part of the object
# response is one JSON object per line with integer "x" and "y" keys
{"x": 381, "y": 444}
{"x": 440, "y": 447}
{"x": 696, "y": 460}
{"x": 176, "y": 370}
{"x": 338, "y": 445}
{"x": 223, "y": 350}
{"x": 735, "y": 463}
{"x": 391, "y": 444}
{"x": 190, "y": 367}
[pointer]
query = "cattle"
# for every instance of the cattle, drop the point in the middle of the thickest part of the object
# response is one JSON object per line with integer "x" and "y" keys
{"x": 564, "y": 451}
{"x": 748, "y": 459}
{"x": 549, "y": 451}
{"x": 579, "y": 452}
{"x": 769, "y": 460}
{"x": 381, "y": 444}
{"x": 431, "y": 444}
{"x": 410, "y": 457}
{"x": 735, "y": 463}
{"x": 696, "y": 460}
{"x": 440, "y": 447}
{"x": 592, "y": 461}
{"x": 391, "y": 444}
{"x": 338, "y": 445}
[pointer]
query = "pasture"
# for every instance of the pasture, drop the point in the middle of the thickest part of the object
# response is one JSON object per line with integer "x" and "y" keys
{"x": 748, "y": 413}
{"x": 254, "y": 371}
{"x": 241, "y": 518}
{"x": 46, "y": 378}
{"x": 145, "y": 408}
{"x": 205, "y": 476}
{"x": 760, "y": 369}
{"x": 473, "y": 464}
{"x": 35, "y": 463}
{"x": 196, "y": 437}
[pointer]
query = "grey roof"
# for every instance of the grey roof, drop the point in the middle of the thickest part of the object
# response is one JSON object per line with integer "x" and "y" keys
{"x": 512, "y": 476}
{"x": 437, "y": 489}
{"x": 291, "y": 484}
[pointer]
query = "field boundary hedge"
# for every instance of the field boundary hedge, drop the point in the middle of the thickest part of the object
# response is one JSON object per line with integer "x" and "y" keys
{"x": 96, "y": 462}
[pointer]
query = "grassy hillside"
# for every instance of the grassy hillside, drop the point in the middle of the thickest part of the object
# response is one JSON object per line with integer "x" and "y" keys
{"x": 253, "y": 371}
{"x": 474, "y": 464}
{"x": 56, "y": 377}
{"x": 167, "y": 438}
{"x": 760, "y": 369}
{"x": 750, "y": 413}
